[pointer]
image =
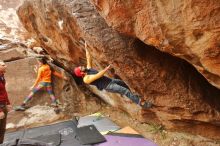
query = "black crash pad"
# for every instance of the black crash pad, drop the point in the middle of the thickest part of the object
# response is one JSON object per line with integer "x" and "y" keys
{"x": 66, "y": 129}
{"x": 89, "y": 135}
{"x": 25, "y": 142}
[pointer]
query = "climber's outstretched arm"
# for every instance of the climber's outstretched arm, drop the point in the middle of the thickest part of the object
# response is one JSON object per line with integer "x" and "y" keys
{"x": 59, "y": 75}
{"x": 88, "y": 58}
{"x": 90, "y": 78}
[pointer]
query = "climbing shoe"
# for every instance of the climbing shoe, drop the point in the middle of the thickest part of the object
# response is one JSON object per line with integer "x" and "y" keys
{"x": 20, "y": 108}
{"x": 57, "y": 110}
{"x": 146, "y": 105}
{"x": 55, "y": 103}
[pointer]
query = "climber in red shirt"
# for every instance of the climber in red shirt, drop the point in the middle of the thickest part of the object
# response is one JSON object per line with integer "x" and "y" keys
{"x": 5, "y": 106}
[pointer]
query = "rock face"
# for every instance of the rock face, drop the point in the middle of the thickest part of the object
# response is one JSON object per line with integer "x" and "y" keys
{"x": 182, "y": 98}
{"x": 186, "y": 29}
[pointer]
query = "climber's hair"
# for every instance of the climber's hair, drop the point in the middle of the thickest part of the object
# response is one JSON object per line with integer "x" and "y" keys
{"x": 43, "y": 60}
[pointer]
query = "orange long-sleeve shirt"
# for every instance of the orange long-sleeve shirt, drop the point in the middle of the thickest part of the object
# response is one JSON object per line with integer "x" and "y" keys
{"x": 44, "y": 74}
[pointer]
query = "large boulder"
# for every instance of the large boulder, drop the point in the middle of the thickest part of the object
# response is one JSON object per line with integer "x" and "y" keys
{"x": 186, "y": 29}
{"x": 181, "y": 96}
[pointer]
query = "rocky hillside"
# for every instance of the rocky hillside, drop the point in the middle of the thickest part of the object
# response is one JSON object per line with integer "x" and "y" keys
{"x": 165, "y": 51}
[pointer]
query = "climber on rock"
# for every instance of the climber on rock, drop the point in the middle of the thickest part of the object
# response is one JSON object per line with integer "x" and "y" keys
{"x": 97, "y": 78}
{"x": 43, "y": 81}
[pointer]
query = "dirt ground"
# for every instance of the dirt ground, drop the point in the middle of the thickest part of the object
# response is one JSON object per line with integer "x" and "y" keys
{"x": 155, "y": 132}
{"x": 38, "y": 116}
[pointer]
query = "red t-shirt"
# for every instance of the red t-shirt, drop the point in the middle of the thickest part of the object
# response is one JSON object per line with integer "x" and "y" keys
{"x": 3, "y": 93}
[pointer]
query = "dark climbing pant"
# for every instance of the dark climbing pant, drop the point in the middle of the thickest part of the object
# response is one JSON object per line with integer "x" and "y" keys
{"x": 3, "y": 123}
{"x": 118, "y": 86}
{"x": 120, "y": 82}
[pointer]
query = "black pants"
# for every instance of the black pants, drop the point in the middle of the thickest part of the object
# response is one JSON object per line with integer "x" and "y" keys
{"x": 3, "y": 123}
{"x": 118, "y": 86}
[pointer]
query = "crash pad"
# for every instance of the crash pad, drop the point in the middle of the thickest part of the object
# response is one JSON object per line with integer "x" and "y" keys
{"x": 89, "y": 135}
{"x": 113, "y": 140}
{"x": 128, "y": 130}
{"x": 103, "y": 124}
{"x": 67, "y": 130}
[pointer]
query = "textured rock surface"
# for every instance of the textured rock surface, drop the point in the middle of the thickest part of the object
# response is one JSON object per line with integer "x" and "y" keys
{"x": 13, "y": 54}
{"x": 182, "y": 97}
{"x": 189, "y": 29}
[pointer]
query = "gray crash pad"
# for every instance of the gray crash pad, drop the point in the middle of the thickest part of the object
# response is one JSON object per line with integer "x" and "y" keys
{"x": 103, "y": 124}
